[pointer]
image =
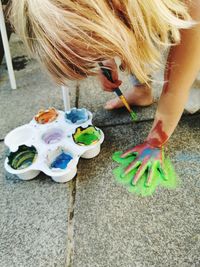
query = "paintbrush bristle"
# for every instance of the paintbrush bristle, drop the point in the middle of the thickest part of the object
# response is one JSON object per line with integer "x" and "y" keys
{"x": 133, "y": 116}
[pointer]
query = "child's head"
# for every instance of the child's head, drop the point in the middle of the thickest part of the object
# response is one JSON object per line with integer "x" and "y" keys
{"x": 70, "y": 36}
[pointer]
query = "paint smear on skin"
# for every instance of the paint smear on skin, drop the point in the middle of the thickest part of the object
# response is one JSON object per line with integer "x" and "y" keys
{"x": 77, "y": 116}
{"x": 171, "y": 180}
{"x": 157, "y": 137}
{"x": 87, "y": 136}
{"x": 46, "y": 116}
{"x": 61, "y": 161}
{"x": 22, "y": 158}
{"x": 53, "y": 136}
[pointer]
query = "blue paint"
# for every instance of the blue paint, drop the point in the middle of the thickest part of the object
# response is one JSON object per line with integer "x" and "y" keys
{"x": 61, "y": 161}
{"x": 76, "y": 116}
{"x": 152, "y": 152}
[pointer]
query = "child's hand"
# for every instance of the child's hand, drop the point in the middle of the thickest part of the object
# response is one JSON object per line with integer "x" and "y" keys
{"x": 148, "y": 158}
{"x": 105, "y": 83}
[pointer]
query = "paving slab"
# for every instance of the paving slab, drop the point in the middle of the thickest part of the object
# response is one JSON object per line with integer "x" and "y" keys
{"x": 114, "y": 228}
{"x": 33, "y": 221}
{"x": 35, "y": 90}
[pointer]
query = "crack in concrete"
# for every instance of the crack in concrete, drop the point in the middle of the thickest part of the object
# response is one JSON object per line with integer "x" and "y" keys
{"x": 123, "y": 123}
{"x": 70, "y": 230}
{"x": 77, "y": 94}
{"x": 144, "y": 120}
{"x": 72, "y": 189}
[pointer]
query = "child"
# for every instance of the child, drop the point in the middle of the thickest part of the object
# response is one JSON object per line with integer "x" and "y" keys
{"x": 71, "y": 37}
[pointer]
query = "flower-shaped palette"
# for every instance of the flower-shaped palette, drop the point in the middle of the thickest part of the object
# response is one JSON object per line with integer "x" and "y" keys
{"x": 52, "y": 143}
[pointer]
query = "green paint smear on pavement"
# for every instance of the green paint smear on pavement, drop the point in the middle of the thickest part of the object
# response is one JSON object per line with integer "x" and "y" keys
{"x": 171, "y": 180}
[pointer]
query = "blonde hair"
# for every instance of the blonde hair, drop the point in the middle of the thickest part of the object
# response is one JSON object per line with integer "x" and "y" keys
{"x": 69, "y": 37}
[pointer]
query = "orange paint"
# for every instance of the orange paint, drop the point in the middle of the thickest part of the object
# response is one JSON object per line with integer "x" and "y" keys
{"x": 46, "y": 116}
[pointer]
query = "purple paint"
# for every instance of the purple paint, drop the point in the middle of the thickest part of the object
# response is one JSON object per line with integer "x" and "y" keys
{"x": 53, "y": 136}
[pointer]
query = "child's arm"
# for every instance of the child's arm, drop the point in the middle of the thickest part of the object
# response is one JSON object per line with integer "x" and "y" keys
{"x": 182, "y": 68}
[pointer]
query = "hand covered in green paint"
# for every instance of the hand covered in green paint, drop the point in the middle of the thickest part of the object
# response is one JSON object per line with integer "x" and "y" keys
{"x": 148, "y": 159}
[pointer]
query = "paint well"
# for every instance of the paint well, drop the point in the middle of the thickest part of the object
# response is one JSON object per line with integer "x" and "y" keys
{"x": 87, "y": 136}
{"x": 46, "y": 116}
{"x": 53, "y": 136}
{"x": 77, "y": 116}
{"x": 19, "y": 136}
{"x": 61, "y": 161}
{"x": 22, "y": 158}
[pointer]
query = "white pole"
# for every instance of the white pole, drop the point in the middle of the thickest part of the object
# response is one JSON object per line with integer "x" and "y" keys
{"x": 66, "y": 97}
{"x": 7, "y": 49}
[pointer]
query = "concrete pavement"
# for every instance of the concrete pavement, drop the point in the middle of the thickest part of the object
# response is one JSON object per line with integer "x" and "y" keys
{"x": 92, "y": 221}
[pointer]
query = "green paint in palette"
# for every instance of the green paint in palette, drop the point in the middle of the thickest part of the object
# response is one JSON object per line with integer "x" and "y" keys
{"x": 22, "y": 158}
{"x": 87, "y": 136}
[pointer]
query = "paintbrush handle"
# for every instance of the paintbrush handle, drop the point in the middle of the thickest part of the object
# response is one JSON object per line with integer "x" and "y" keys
{"x": 107, "y": 73}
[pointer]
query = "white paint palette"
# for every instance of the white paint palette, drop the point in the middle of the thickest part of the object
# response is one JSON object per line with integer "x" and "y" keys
{"x": 53, "y": 145}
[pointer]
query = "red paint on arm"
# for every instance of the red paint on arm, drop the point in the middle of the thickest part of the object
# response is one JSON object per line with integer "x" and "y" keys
{"x": 157, "y": 137}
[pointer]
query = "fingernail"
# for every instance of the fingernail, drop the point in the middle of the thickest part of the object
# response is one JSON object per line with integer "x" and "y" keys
{"x": 133, "y": 183}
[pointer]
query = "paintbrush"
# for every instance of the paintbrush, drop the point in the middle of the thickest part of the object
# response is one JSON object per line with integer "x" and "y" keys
{"x": 108, "y": 75}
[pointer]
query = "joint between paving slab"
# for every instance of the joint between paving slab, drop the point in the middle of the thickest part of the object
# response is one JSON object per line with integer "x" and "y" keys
{"x": 77, "y": 94}
{"x": 123, "y": 123}
{"x": 197, "y": 114}
{"x": 70, "y": 230}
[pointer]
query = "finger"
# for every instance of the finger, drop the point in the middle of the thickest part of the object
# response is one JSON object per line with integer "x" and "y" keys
{"x": 132, "y": 166}
{"x": 108, "y": 85}
{"x": 112, "y": 66}
{"x": 110, "y": 73}
{"x": 140, "y": 171}
{"x": 136, "y": 150}
{"x": 161, "y": 169}
{"x": 151, "y": 173}
{"x": 128, "y": 153}
{"x": 115, "y": 75}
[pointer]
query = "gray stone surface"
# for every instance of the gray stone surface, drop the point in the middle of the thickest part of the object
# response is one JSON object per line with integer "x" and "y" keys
{"x": 107, "y": 227}
{"x": 35, "y": 91}
{"x": 33, "y": 221}
{"x": 114, "y": 228}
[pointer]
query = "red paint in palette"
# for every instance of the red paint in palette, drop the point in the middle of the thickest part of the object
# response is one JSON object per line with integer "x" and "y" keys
{"x": 158, "y": 136}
